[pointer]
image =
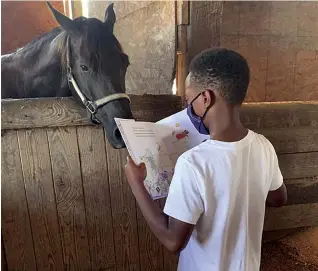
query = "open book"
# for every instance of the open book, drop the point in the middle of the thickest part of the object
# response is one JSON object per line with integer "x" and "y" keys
{"x": 159, "y": 145}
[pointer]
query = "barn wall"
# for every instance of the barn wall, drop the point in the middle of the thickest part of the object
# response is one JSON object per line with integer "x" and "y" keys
{"x": 22, "y": 21}
{"x": 280, "y": 42}
{"x": 66, "y": 204}
{"x": 146, "y": 30}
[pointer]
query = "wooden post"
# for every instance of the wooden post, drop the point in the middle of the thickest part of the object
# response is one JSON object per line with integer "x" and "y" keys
{"x": 182, "y": 22}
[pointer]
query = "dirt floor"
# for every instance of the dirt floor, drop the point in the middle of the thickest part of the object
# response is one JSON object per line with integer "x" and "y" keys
{"x": 297, "y": 252}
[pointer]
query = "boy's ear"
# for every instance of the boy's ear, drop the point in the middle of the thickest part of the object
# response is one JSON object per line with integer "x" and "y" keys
{"x": 209, "y": 98}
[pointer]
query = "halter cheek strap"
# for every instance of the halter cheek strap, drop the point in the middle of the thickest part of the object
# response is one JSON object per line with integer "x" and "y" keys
{"x": 92, "y": 106}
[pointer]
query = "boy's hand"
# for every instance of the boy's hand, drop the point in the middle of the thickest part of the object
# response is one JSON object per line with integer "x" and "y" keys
{"x": 135, "y": 174}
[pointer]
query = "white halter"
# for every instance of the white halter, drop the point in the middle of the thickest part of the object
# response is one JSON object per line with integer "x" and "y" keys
{"x": 92, "y": 106}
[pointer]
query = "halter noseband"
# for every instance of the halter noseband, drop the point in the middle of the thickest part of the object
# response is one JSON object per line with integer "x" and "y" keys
{"x": 92, "y": 106}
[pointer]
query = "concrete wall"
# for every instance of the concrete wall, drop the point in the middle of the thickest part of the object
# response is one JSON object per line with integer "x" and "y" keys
{"x": 280, "y": 42}
{"x": 22, "y": 21}
{"x": 146, "y": 30}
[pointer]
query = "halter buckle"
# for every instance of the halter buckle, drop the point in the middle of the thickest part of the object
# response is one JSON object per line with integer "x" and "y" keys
{"x": 69, "y": 74}
{"x": 91, "y": 107}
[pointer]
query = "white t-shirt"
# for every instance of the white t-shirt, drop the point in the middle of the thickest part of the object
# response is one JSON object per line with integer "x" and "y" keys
{"x": 221, "y": 188}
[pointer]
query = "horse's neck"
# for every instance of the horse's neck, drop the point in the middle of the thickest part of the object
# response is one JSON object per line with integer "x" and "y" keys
{"x": 38, "y": 69}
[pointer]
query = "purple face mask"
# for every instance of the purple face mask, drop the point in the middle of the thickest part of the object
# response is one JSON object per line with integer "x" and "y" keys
{"x": 196, "y": 120}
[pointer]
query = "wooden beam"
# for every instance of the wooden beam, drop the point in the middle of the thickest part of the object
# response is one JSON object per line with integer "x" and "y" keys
{"x": 302, "y": 191}
{"x": 57, "y": 112}
{"x": 291, "y": 127}
{"x": 53, "y": 112}
{"x": 299, "y": 165}
{"x": 291, "y": 216}
{"x": 183, "y": 8}
{"x": 292, "y": 140}
{"x": 280, "y": 115}
{"x": 182, "y": 21}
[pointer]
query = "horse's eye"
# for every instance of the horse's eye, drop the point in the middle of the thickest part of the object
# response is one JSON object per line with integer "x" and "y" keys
{"x": 84, "y": 68}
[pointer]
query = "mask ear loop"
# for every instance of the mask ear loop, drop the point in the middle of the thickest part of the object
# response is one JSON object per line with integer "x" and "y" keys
{"x": 206, "y": 111}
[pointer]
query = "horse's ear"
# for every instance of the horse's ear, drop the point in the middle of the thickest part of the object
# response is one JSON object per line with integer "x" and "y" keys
{"x": 66, "y": 23}
{"x": 110, "y": 17}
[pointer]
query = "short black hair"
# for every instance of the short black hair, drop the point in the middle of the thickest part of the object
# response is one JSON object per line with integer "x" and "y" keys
{"x": 223, "y": 70}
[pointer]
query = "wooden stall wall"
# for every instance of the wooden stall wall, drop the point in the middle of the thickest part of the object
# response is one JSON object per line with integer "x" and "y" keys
{"x": 22, "y": 21}
{"x": 146, "y": 30}
{"x": 66, "y": 204}
{"x": 280, "y": 41}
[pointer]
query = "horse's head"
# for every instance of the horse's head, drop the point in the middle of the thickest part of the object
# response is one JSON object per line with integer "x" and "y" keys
{"x": 96, "y": 68}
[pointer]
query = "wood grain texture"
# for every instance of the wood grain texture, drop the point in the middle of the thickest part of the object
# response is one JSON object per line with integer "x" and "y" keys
{"x": 38, "y": 181}
{"x": 302, "y": 191}
{"x": 69, "y": 197}
{"x": 58, "y": 112}
{"x": 182, "y": 12}
{"x": 292, "y": 140}
{"x": 298, "y": 165}
{"x": 97, "y": 198}
{"x": 123, "y": 211}
{"x": 170, "y": 261}
{"x": 280, "y": 115}
{"x": 15, "y": 228}
{"x": 205, "y": 17}
{"x": 150, "y": 249}
{"x": 33, "y": 113}
{"x": 291, "y": 216}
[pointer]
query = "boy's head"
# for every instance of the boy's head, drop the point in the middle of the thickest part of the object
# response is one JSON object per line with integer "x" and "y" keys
{"x": 218, "y": 79}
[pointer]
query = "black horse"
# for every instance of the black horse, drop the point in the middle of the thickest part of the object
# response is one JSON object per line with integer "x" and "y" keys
{"x": 82, "y": 58}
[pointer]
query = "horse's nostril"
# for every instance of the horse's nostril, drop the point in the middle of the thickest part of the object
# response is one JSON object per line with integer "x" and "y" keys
{"x": 117, "y": 134}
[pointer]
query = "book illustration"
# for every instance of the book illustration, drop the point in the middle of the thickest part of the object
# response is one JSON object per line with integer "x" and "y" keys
{"x": 183, "y": 134}
{"x": 159, "y": 173}
{"x": 159, "y": 145}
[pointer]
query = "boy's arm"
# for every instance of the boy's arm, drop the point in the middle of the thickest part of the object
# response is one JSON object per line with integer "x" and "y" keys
{"x": 173, "y": 226}
{"x": 172, "y": 233}
{"x": 277, "y": 195}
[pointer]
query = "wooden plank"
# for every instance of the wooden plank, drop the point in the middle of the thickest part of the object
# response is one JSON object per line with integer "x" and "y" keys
{"x": 15, "y": 228}
{"x": 124, "y": 212}
{"x": 36, "y": 166}
{"x": 182, "y": 9}
{"x": 292, "y": 140}
{"x": 96, "y": 191}
{"x": 280, "y": 115}
{"x": 69, "y": 197}
{"x": 298, "y": 165}
{"x": 182, "y": 64}
{"x": 170, "y": 261}
{"x": 32, "y": 113}
{"x": 181, "y": 39}
{"x": 302, "y": 191}
{"x": 57, "y": 112}
{"x": 291, "y": 216}
{"x": 150, "y": 249}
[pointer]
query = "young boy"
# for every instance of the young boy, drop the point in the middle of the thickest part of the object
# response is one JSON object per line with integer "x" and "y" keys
{"x": 214, "y": 212}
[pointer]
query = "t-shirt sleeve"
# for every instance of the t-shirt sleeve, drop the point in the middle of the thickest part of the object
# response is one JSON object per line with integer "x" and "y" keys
{"x": 184, "y": 201}
{"x": 277, "y": 177}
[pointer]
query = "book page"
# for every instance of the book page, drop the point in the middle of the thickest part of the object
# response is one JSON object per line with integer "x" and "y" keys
{"x": 159, "y": 145}
{"x": 146, "y": 145}
{"x": 183, "y": 128}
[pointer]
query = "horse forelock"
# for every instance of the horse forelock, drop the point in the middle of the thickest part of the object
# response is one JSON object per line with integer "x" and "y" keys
{"x": 97, "y": 42}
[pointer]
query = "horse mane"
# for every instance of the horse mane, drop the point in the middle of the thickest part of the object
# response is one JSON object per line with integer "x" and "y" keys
{"x": 98, "y": 42}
